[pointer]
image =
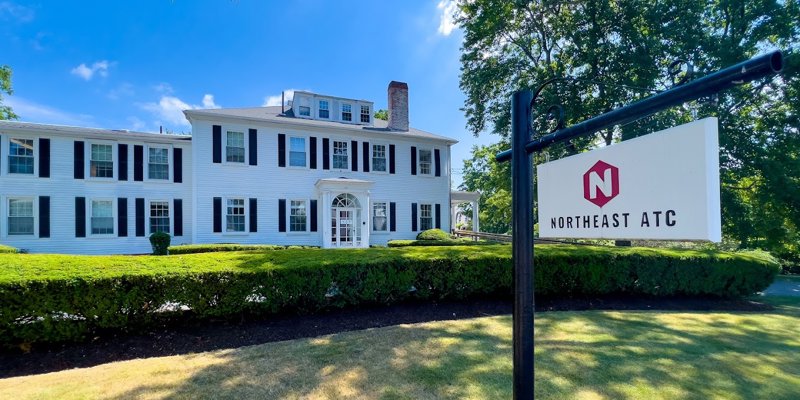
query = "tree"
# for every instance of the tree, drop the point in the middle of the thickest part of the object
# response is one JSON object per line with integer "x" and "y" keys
{"x": 5, "y": 86}
{"x": 382, "y": 114}
{"x": 610, "y": 53}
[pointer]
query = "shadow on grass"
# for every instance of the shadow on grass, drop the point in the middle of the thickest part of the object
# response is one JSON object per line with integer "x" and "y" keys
{"x": 601, "y": 354}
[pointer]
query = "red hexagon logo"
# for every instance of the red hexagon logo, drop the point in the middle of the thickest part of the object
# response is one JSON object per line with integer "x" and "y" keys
{"x": 601, "y": 183}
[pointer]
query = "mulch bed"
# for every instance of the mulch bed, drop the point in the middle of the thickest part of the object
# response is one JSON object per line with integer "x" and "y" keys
{"x": 214, "y": 335}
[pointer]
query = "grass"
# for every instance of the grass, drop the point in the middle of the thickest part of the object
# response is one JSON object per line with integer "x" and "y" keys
{"x": 579, "y": 355}
{"x": 7, "y": 249}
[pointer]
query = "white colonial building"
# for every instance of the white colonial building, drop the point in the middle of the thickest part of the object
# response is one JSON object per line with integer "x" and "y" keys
{"x": 320, "y": 172}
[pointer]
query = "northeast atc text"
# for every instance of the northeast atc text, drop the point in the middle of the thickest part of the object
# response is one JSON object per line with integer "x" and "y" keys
{"x": 615, "y": 220}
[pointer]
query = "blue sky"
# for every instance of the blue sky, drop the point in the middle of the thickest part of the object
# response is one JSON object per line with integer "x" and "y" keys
{"x": 135, "y": 64}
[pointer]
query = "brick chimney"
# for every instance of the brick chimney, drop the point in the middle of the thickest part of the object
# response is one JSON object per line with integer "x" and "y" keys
{"x": 398, "y": 106}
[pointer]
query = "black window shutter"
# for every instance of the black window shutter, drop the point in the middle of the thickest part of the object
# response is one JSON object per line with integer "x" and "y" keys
{"x": 178, "y": 217}
{"x": 313, "y": 215}
{"x": 122, "y": 155}
{"x": 78, "y": 166}
{"x": 413, "y": 160}
{"x": 438, "y": 216}
{"x": 122, "y": 217}
{"x": 138, "y": 163}
{"x": 139, "y": 217}
{"x": 253, "y": 146}
{"x": 80, "y": 217}
{"x": 44, "y": 216}
{"x": 391, "y": 158}
{"x": 44, "y": 158}
{"x": 354, "y": 161}
{"x": 281, "y": 150}
{"x": 282, "y": 215}
{"x": 393, "y": 216}
{"x": 366, "y": 156}
{"x": 326, "y": 152}
{"x": 177, "y": 166}
{"x": 413, "y": 217}
{"x": 217, "y": 214}
{"x": 253, "y": 215}
{"x": 438, "y": 162}
{"x": 216, "y": 137}
{"x": 312, "y": 152}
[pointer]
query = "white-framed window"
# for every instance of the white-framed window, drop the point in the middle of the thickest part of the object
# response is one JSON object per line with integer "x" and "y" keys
{"x": 297, "y": 216}
{"x": 102, "y": 219}
{"x": 365, "y": 116}
{"x": 425, "y": 217}
{"x": 158, "y": 163}
{"x": 347, "y": 112}
{"x": 379, "y": 213}
{"x": 379, "y": 157}
{"x": 234, "y": 147}
{"x": 340, "y": 160}
{"x": 234, "y": 215}
{"x": 20, "y": 156}
{"x": 425, "y": 161}
{"x": 324, "y": 110}
{"x": 101, "y": 160}
{"x": 159, "y": 216}
{"x": 297, "y": 151}
{"x": 304, "y": 111}
{"x": 20, "y": 216}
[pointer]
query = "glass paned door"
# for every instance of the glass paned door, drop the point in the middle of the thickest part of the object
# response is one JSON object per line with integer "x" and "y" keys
{"x": 343, "y": 227}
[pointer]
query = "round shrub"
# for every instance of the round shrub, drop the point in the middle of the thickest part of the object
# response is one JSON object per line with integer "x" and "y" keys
{"x": 160, "y": 243}
{"x": 433, "y": 234}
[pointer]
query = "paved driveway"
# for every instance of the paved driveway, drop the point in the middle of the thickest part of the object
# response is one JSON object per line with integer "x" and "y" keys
{"x": 784, "y": 286}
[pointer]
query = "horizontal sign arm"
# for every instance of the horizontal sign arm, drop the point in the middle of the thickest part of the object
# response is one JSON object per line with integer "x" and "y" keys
{"x": 746, "y": 71}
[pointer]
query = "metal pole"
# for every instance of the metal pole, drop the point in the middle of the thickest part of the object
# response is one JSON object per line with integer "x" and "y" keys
{"x": 522, "y": 246}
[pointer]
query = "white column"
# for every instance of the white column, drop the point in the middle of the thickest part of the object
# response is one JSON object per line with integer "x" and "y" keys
{"x": 453, "y": 208}
{"x": 326, "y": 220}
{"x": 475, "y": 223}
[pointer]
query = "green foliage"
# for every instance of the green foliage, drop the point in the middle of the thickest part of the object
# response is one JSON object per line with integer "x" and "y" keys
{"x": 382, "y": 114}
{"x": 50, "y": 298}
{"x": 210, "y": 248}
{"x": 8, "y": 249}
{"x": 446, "y": 242}
{"x": 626, "y": 46}
{"x": 5, "y": 86}
{"x": 433, "y": 234}
{"x": 160, "y": 243}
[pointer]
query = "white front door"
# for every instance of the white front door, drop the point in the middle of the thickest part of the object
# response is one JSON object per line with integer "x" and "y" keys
{"x": 344, "y": 227}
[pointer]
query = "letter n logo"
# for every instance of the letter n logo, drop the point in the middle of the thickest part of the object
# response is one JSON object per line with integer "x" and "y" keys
{"x": 601, "y": 183}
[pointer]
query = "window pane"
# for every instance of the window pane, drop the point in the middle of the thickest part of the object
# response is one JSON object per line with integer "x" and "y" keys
{"x": 101, "y": 164}
{"x": 20, "y": 156}
{"x": 340, "y": 155}
{"x": 426, "y": 216}
{"x": 379, "y": 217}
{"x": 102, "y": 217}
{"x": 347, "y": 112}
{"x": 159, "y": 216}
{"x": 158, "y": 166}
{"x": 425, "y": 162}
{"x": 20, "y": 217}
{"x": 297, "y": 152}
{"x": 365, "y": 114}
{"x": 323, "y": 109}
{"x": 379, "y": 157}
{"x": 234, "y": 149}
{"x": 297, "y": 216}
{"x": 234, "y": 219}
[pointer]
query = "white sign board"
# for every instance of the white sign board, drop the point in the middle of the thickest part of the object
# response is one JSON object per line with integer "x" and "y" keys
{"x": 664, "y": 186}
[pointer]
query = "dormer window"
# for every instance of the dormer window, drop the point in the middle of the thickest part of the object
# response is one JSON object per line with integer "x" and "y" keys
{"x": 365, "y": 114}
{"x": 305, "y": 111}
{"x": 347, "y": 112}
{"x": 323, "y": 109}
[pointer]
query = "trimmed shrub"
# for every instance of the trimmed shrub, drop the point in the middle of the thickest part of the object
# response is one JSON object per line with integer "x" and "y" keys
{"x": 160, "y": 243}
{"x": 53, "y": 298}
{"x": 448, "y": 242}
{"x": 433, "y": 234}
{"x": 8, "y": 249}
{"x": 217, "y": 247}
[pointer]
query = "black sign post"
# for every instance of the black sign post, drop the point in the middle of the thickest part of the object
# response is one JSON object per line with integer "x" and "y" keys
{"x": 522, "y": 181}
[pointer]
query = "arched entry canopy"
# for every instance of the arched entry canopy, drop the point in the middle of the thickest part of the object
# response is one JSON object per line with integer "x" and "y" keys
{"x": 460, "y": 197}
{"x": 345, "y": 212}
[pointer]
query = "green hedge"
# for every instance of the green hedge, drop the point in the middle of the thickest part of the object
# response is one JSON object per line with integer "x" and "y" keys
{"x": 8, "y": 249}
{"x": 51, "y": 298}
{"x": 448, "y": 242}
{"x": 433, "y": 234}
{"x": 211, "y": 248}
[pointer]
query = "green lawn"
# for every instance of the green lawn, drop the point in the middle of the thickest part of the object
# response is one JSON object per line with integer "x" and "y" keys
{"x": 580, "y": 355}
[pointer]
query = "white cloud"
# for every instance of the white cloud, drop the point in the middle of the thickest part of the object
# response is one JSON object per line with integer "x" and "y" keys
{"x": 125, "y": 89}
{"x": 271, "y": 101}
{"x": 99, "y": 68}
{"x": 9, "y": 10}
{"x": 35, "y": 112}
{"x": 136, "y": 124}
{"x": 448, "y": 10}
{"x": 170, "y": 109}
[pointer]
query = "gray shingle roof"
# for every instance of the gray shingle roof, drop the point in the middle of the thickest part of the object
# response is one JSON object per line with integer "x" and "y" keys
{"x": 273, "y": 114}
{"x": 21, "y": 126}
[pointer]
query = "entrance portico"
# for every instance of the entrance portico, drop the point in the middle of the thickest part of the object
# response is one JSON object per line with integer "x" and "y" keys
{"x": 460, "y": 197}
{"x": 345, "y": 212}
